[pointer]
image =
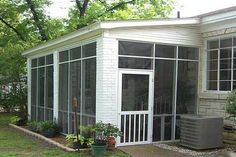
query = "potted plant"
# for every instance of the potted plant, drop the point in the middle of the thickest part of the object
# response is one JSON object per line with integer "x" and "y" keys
{"x": 111, "y": 133}
{"x": 100, "y": 141}
{"x": 48, "y": 128}
{"x": 104, "y": 132}
{"x": 74, "y": 142}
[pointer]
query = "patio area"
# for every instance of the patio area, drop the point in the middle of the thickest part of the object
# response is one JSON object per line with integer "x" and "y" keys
{"x": 164, "y": 150}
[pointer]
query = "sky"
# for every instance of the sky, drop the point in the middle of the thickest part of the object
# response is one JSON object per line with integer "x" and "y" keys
{"x": 187, "y": 8}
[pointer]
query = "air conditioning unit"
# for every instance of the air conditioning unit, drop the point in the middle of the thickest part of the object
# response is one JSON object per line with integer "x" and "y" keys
{"x": 201, "y": 132}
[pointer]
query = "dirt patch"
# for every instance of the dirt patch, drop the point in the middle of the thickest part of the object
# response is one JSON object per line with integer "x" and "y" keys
{"x": 60, "y": 139}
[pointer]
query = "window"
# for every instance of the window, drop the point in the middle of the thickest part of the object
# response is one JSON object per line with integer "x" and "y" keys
{"x": 77, "y": 79}
{"x": 221, "y": 61}
{"x": 42, "y": 88}
{"x": 134, "y": 55}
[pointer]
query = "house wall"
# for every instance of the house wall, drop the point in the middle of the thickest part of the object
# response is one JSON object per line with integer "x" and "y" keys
{"x": 177, "y": 35}
{"x": 213, "y": 27}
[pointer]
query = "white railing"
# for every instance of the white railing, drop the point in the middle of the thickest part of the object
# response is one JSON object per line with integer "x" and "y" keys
{"x": 134, "y": 127}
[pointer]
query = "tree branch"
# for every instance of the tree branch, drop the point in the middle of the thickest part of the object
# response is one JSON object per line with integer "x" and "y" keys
{"x": 82, "y": 7}
{"x": 121, "y": 4}
{"x": 13, "y": 28}
{"x": 36, "y": 18}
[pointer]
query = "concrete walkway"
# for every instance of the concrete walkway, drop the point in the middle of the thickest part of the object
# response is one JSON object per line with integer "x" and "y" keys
{"x": 150, "y": 151}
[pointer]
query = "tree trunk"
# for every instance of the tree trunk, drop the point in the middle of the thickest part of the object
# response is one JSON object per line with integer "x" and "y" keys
{"x": 38, "y": 23}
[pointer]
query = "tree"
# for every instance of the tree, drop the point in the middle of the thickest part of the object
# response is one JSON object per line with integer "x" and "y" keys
{"x": 86, "y": 12}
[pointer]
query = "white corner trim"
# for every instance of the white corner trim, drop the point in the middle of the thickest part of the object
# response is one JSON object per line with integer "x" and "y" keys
{"x": 29, "y": 87}
{"x": 55, "y": 86}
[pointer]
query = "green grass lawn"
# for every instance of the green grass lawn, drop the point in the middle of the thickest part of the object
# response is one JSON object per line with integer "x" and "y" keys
{"x": 14, "y": 143}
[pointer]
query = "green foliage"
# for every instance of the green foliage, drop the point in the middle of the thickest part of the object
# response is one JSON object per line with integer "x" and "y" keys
{"x": 15, "y": 119}
{"x": 47, "y": 126}
{"x": 73, "y": 138}
{"x": 105, "y": 130}
{"x": 231, "y": 104}
{"x": 119, "y": 10}
{"x": 34, "y": 126}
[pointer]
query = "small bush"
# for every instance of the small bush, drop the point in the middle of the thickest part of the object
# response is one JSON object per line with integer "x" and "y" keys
{"x": 15, "y": 120}
{"x": 34, "y": 126}
{"x": 231, "y": 104}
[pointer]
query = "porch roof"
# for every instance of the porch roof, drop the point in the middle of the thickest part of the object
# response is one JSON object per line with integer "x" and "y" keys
{"x": 100, "y": 26}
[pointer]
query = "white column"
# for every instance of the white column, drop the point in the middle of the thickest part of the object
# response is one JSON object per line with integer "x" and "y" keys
{"x": 107, "y": 80}
{"x": 29, "y": 87}
{"x": 55, "y": 85}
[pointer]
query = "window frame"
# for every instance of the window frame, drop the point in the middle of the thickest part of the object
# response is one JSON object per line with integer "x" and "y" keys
{"x": 37, "y": 68}
{"x": 206, "y": 62}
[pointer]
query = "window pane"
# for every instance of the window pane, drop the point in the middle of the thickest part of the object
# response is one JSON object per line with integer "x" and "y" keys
{"x": 234, "y": 52}
{"x": 214, "y": 44}
{"x": 63, "y": 56}
{"x": 41, "y": 78}
{"x": 75, "y": 53}
{"x": 89, "y": 91}
{"x": 163, "y": 86}
{"x": 135, "y": 48}
{"x": 225, "y": 53}
{"x": 234, "y": 75}
{"x": 34, "y": 63}
{"x": 188, "y": 53}
{"x": 225, "y": 85}
{"x": 63, "y": 121}
{"x": 213, "y": 65}
{"x": 63, "y": 87}
{"x": 225, "y": 75}
{"x": 234, "y": 42}
{"x": 49, "y": 86}
{"x": 225, "y": 64}
{"x": 212, "y": 85}
{"x": 186, "y": 87}
{"x": 33, "y": 86}
{"x": 165, "y": 51}
{"x": 75, "y": 84}
{"x": 49, "y": 59}
{"x": 213, "y": 55}
{"x": 168, "y": 127}
{"x": 41, "y": 61}
{"x": 156, "y": 129}
{"x": 234, "y": 85}
{"x": 135, "y": 89}
{"x": 135, "y": 63}
{"x": 212, "y": 75}
{"x": 226, "y": 42}
{"x": 89, "y": 50}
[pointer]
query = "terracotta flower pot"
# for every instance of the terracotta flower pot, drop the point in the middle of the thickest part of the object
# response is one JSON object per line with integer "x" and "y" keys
{"x": 111, "y": 143}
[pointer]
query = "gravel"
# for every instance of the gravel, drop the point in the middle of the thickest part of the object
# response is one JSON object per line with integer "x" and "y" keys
{"x": 205, "y": 153}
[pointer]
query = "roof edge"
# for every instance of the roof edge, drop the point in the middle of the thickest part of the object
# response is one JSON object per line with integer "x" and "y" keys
{"x": 111, "y": 25}
{"x": 219, "y": 11}
{"x": 74, "y": 34}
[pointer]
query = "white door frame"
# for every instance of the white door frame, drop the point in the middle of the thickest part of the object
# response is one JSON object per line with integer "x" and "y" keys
{"x": 150, "y": 102}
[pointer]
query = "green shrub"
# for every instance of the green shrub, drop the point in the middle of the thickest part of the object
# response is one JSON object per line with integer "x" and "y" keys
{"x": 73, "y": 138}
{"x": 48, "y": 125}
{"x": 15, "y": 120}
{"x": 231, "y": 104}
{"x": 34, "y": 126}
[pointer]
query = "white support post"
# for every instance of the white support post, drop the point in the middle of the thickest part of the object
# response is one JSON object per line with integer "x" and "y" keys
{"x": 55, "y": 86}
{"x": 29, "y": 87}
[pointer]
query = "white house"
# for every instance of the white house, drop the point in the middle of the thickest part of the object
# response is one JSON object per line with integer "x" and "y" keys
{"x": 140, "y": 75}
